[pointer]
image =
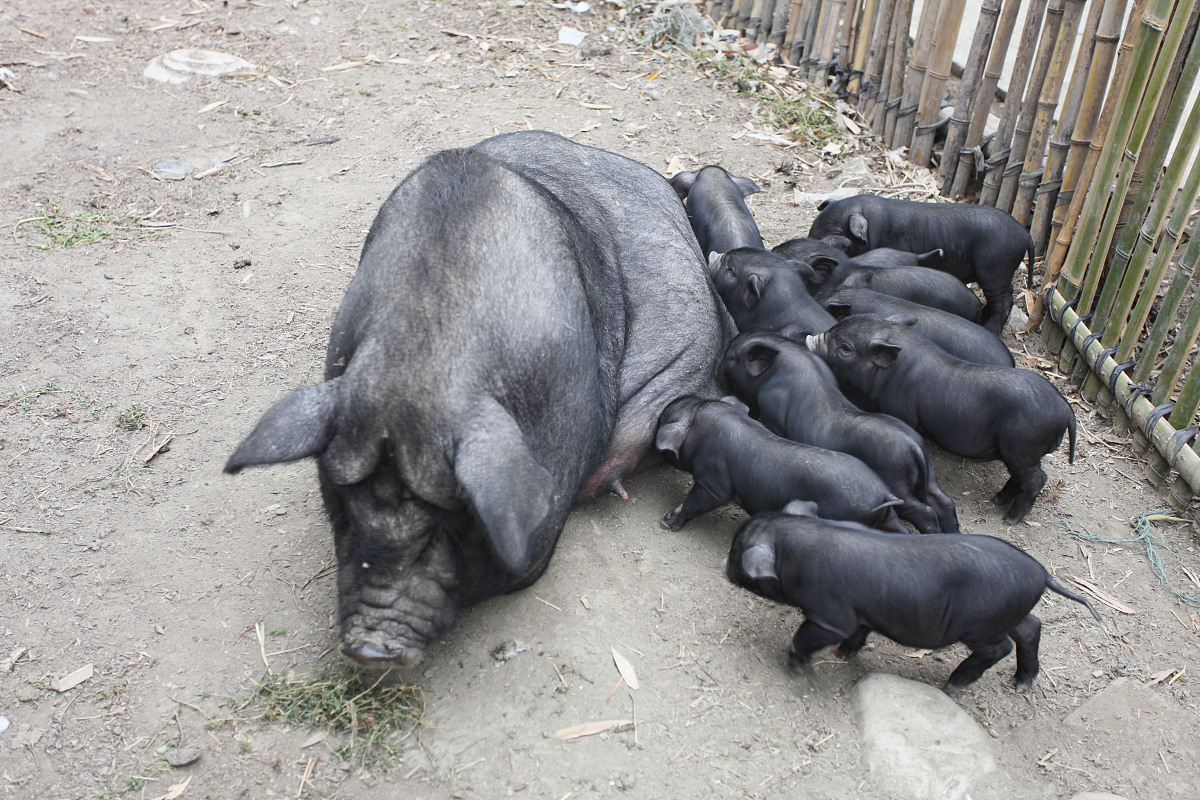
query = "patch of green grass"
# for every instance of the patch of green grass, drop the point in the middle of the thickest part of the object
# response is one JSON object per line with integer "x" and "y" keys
{"x": 25, "y": 399}
{"x": 343, "y": 700}
{"x": 366, "y": 92}
{"x": 132, "y": 418}
{"x": 69, "y": 230}
{"x": 804, "y": 110}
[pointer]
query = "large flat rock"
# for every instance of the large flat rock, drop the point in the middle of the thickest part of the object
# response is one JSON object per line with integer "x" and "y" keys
{"x": 918, "y": 744}
{"x": 1127, "y": 708}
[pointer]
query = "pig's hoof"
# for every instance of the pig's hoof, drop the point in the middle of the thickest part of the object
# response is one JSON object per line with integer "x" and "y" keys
{"x": 670, "y": 521}
{"x": 1022, "y": 686}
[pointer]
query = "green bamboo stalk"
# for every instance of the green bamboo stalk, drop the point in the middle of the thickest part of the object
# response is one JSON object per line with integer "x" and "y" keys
{"x": 1184, "y": 21}
{"x": 941, "y": 61}
{"x": 965, "y": 167}
{"x": 1022, "y": 187}
{"x": 1012, "y": 104}
{"x": 914, "y": 76}
{"x": 1047, "y": 193}
{"x": 968, "y": 90}
{"x": 1095, "y": 117}
{"x": 1127, "y": 101}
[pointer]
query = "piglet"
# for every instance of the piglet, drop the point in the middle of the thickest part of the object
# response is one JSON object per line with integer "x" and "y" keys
{"x": 920, "y": 591}
{"x": 734, "y": 458}
{"x": 763, "y": 292}
{"x": 716, "y": 207}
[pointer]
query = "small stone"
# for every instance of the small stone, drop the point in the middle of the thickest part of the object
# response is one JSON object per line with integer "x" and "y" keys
{"x": 183, "y": 756}
{"x": 171, "y": 170}
{"x": 241, "y": 263}
{"x": 1098, "y": 673}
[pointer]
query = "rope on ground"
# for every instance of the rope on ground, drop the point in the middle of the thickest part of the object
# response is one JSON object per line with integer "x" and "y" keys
{"x": 1151, "y": 541}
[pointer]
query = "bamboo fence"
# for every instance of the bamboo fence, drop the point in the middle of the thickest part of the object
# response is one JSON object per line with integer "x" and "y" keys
{"x": 1100, "y": 162}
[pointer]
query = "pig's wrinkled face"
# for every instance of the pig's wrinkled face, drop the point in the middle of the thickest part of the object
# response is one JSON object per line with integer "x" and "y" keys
{"x": 398, "y": 568}
{"x": 856, "y": 350}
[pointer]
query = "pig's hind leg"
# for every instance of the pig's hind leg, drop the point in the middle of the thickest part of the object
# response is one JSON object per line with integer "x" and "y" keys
{"x": 1022, "y": 489}
{"x": 984, "y": 655}
{"x": 1027, "y": 635}
{"x": 850, "y": 646}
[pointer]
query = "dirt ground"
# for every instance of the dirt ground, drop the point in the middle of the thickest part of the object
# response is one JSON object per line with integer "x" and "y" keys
{"x": 131, "y": 367}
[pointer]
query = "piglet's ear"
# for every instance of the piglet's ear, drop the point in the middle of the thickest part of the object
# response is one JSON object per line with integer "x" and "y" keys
{"x": 821, "y": 205}
{"x": 801, "y": 508}
{"x": 882, "y": 354}
{"x": 755, "y": 286}
{"x": 671, "y": 435}
{"x": 508, "y": 490}
{"x": 908, "y": 320}
{"x": 760, "y": 358}
{"x": 736, "y": 404}
{"x": 758, "y": 562}
{"x": 858, "y": 227}
{"x": 682, "y": 183}
{"x": 839, "y": 310}
{"x": 747, "y": 186}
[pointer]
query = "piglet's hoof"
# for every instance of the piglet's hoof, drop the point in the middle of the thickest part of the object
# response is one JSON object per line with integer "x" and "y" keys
{"x": 671, "y": 521}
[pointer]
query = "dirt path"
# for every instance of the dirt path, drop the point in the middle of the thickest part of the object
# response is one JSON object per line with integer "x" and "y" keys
{"x": 131, "y": 367}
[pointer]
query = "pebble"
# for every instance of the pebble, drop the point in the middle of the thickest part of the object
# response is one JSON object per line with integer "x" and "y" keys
{"x": 183, "y": 756}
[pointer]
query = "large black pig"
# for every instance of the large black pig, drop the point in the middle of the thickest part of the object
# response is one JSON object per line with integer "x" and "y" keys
{"x": 794, "y": 394}
{"x": 735, "y": 459}
{"x": 920, "y": 591}
{"x": 980, "y": 243}
{"x": 522, "y": 312}
{"x": 950, "y": 332}
{"x": 716, "y": 208}
{"x": 972, "y": 410}
{"x": 764, "y": 292}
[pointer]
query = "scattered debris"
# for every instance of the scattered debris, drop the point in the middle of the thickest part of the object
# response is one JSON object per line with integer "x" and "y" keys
{"x": 171, "y": 170}
{"x": 178, "y": 66}
{"x": 73, "y": 679}
{"x": 508, "y": 650}
{"x": 1098, "y": 594}
{"x": 570, "y": 36}
{"x": 591, "y": 729}
{"x": 626, "y": 669}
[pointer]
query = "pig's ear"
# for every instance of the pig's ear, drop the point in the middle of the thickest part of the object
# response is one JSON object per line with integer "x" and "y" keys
{"x": 755, "y": 285}
{"x": 760, "y": 358}
{"x": 908, "y": 320}
{"x": 298, "y": 426}
{"x": 801, "y": 508}
{"x": 671, "y": 435}
{"x": 882, "y": 354}
{"x": 505, "y": 486}
{"x": 837, "y": 242}
{"x": 747, "y": 186}
{"x": 932, "y": 254}
{"x": 858, "y": 227}
{"x": 838, "y": 311}
{"x": 735, "y": 403}
{"x": 758, "y": 562}
{"x": 821, "y": 205}
{"x": 796, "y": 332}
{"x": 682, "y": 182}
{"x": 823, "y": 266}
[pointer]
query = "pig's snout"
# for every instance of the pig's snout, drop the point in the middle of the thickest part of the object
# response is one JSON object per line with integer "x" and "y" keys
{"x": 371, "y": 653}
{"x": 815, "y": 344}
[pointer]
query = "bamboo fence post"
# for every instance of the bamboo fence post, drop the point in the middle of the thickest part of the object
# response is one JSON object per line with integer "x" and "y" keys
{"x": 965, "y": 167}
{"x": 732, "y": 11}
{"x": 941, "y": 61}
{"x": 1025, "y": 184}
{"x": 1136, "y": 244}
{"x": 872, "y": 80}
{"x": 828, "y": 36}
{"x": 1012, "y": 103}
{"x": 968, "y": 86}
{"x": 745, "y": 9}
{"x": 898, "y": 57}
{"x": 1127, "y": 148}
{"x": 865, "y": 37}
{"x": 753, "y": 19}
{"x": 790, "y": 45}
{"x": 820, "y": 10}
{"x": 766, "y": 16}
{"x": 779, "y": 24}
{"x": 1085, "y": 259}
{"x": 1047, "y": 192}
{"x": 846, "y": 38}
{"x": 1181, "y": 417}
{"x": 1188, "y": 21}
{"x": 1083, "y": 159}
{"x": 914, "y": 76}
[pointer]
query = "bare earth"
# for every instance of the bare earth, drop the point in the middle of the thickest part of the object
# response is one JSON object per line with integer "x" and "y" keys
{"x": 154, "y": 569}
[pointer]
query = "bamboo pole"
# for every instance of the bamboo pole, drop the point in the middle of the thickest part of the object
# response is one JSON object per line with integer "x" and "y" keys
{"x": 779, "y": 24}
{"x": 941, "y": 61}
{"x": 968, "y": 90}
{"x": 846, "y": 38}
{"x": 754, "y": 19}
{"x": 1025, "y": 184}
{"x": 1084, "y": 160}
{"x": 1056, "y": 159}
{"x": 1129, "y": 146}
{"x": 1184, "y": 459}
{"x": 1034, "y": 91}
{"x": 914, "y": 75}
{"x": 965, "y": 167}
{"x": 873, "y": 78}
{"x": 1188, "y": 21}
{"x": 1137, "y": 244}
{"x": 790, "y": 44}
{"x": 899, "y": 63}
{"x": 745, "y": 9}
{"x": 1012, "y": 104}
{"x": 818, "y": 11}
{"x": 864, "y": 37}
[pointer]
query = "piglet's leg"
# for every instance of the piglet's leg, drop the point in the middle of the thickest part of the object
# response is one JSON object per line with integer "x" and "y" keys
{"x": 1031, "y": 480}
{"x": 810, "y": 638}
{"x": 1027, "y": 635}
{"x": 851, "y": 646}
{"x": 983, "y": 656}
{"x": 700, "y": 500}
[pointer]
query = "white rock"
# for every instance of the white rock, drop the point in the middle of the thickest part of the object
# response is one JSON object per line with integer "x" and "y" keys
{"x": 918, "y": 744}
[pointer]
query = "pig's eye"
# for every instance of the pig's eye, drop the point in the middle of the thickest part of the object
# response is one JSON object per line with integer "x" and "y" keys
{"x": 844, "y": 349}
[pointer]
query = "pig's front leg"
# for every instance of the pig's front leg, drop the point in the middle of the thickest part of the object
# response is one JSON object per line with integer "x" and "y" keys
{"x": 700, "y": 500}
{"x": 851, "y": 646}
{"x": 809, "y": 638}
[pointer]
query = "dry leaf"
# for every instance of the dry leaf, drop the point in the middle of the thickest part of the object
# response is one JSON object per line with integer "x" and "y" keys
{"x": 95, "y": 39}
{"x": 588, "y": 729}
{"x": 1098, "y": 594}
{"x": 597, "y": 106}
{"x": 345, "y": 65}
{"x": 175, "y": 791}
{"x": 675, "y": 165}
{"x": 211, "y": 106}
{"x": 626, "y": 669}
{"x": 72, "y": 680}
